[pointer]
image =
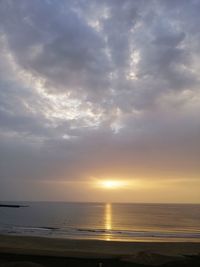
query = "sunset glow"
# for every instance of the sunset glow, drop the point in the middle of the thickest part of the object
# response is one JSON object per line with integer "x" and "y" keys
{"x": 112, "y": 184}
{"x": 100, "y": 101}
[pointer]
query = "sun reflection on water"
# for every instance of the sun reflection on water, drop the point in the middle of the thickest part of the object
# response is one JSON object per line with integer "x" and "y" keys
{"x": 108, "y": 220}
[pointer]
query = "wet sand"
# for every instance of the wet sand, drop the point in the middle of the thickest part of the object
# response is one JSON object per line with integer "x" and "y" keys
{"x": 15, "y": 250}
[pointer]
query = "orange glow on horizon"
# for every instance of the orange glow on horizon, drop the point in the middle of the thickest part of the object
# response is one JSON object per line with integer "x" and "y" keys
{"x": 111, "y": 184}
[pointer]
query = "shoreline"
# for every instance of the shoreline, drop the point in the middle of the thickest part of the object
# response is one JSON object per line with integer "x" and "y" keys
{"x": 90, "y": 247}
{"x": 60, "y": 250}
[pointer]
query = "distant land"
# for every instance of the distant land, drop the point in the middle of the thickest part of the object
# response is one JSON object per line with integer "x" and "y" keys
{"x": 12, "y": 206}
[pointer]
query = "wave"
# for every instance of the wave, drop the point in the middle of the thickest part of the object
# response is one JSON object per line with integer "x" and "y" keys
{"x": 85, "y": 233}
{"x": 142, "y": 233}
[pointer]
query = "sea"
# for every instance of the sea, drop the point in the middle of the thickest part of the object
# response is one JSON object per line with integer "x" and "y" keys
{"x": 103, "y": 221}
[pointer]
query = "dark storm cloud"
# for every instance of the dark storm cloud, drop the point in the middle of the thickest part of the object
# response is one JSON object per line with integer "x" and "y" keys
{"x": 99, "y": 87}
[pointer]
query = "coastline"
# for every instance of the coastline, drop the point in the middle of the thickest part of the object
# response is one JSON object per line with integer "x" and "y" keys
{"x": 152, "y": 253}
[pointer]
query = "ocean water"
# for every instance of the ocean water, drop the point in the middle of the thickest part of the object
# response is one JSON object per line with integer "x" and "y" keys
{"x": 103, "y": 221}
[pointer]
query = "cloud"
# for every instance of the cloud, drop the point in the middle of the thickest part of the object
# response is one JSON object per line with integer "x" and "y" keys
{"x": 99, "y": 88}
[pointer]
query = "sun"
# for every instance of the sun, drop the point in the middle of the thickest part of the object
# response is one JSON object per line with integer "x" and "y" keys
{"x": 111, "y": 184}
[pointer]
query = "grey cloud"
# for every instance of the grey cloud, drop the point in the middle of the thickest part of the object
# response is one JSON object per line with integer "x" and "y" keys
{"x": 56, "y": 45}
{"x": 83, "y": 52}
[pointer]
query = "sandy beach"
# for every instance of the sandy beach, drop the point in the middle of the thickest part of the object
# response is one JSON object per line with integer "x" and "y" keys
{"x": 61, "y": 252}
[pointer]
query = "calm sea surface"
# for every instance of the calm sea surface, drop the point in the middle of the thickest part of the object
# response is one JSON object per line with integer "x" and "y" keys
{"x": 125, "y": 222}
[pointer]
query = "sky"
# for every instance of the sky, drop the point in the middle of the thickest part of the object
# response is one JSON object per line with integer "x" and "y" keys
{"x": 94, "y": 91}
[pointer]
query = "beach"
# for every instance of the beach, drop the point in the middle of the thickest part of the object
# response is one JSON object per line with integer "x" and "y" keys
{"x": 63, "y": 252}
{"x": 99, "y": 234}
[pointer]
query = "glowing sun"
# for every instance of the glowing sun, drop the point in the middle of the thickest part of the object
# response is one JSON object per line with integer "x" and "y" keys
{"x": 111, "y": 184}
